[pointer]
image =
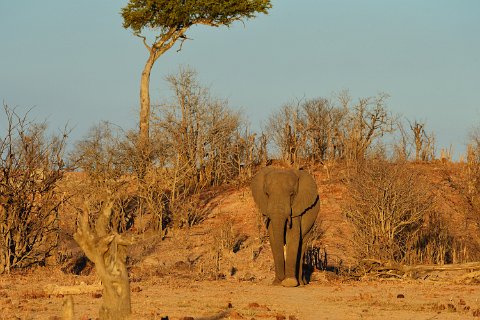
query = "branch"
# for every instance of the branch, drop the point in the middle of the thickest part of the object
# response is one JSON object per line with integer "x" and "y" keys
{"x": 82, "y": 288}
{"x": 167, "y": 41}
{"x": 208, "y": 22}
{"x": 101, "y": 226}
{"x": 183, "y": 37}
{"x": 144, "y": 39}
{"x": 387, "y": 269}
{"x": 160, "y": 44}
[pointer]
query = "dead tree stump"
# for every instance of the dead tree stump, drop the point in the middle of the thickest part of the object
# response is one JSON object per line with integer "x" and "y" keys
{"x": 108, "y": 251}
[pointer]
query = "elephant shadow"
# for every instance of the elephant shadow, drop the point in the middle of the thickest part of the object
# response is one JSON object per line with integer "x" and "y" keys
{"x": 316, "y": 258}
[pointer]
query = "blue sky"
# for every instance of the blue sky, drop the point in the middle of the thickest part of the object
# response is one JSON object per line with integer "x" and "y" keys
{"x": 73, "y": 62}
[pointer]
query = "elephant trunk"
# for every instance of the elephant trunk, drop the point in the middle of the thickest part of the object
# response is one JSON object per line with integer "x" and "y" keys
{"x": 277, "y": 242}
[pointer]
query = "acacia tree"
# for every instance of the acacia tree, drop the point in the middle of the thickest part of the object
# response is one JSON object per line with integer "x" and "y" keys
{"x": 170, "y": 20}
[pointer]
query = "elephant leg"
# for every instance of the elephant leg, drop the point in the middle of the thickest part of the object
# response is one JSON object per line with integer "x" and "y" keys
{"x": 301, "y": 274}
{"x": 291, "y": 261}
{"x": 278, "y": 255}
{"x": 308, "y": 221}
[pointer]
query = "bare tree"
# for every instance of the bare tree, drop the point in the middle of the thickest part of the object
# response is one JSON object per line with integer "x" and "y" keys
{"x": 402, "y": 143}
{"x": 472, "y": 173}
{"x": 418, "y": 136}
{"x": 205, "y": 142}
{"x": 321, "y": 130}
{"x": 323, "y": 127}
{"x": 101, "y": 156}
{"x": 199, "y": 134}
{"x": 31, "y": 164}
{"x": 366, "y": 121}
{"x": 424, "y": 142}
{"x": 249, "y": 150}
{"x": 287, "y": 131}
{"x": 220, "y": 144}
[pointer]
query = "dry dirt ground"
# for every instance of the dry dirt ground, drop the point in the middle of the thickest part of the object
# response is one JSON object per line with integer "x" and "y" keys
{"x": 25, "y": 296}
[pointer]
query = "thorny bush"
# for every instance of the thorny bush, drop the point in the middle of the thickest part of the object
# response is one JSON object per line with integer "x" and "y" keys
{"x": 387, "y": 206}
{"x": 108, "y": 157}
{"x": 31, "y": 165}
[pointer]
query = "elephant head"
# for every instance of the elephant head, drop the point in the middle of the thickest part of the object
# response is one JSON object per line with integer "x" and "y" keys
{"x": 284, "y": 196}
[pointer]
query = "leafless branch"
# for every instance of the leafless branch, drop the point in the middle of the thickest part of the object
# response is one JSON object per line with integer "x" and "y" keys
{"x": 183, "y": 37}
{"x": 144, "y": 40}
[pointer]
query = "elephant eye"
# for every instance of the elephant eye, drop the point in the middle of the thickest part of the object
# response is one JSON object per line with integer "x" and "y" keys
{"x": 267, "y": 194}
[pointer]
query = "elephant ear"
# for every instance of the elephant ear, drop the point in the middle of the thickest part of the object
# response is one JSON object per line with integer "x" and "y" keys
{"x": 257, "y": 187}
{"x": 306, "y": 195}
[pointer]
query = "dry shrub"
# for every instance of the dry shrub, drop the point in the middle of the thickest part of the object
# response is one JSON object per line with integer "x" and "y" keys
{"x": 387, "y": 204}
{"x": 469, "y": 188}
{"x": 434, "y": 244}
{"x": 198, "y": 143}
{"x": 154, "y": 201}
{"x": 204, "y": 143}
{"x": 31, "y": 165}
{"x": 320, "y": 130}
{"x": 189, "y": 211}
{"x": 392, "y": 210}
{"x": 106, "y": 154}
{"x": 109, "y": 157}
{"x": 109, "y": 166}
{"x": 220, "y": 259}
{"x": 227, "y": 238}
{"x": 472, "y": 172}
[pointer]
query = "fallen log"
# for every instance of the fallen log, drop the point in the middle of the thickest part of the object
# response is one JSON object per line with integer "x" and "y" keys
{"x": 389, "y": 269}
{"x": 72, "y": 290}
{"x": 445, "y": 267}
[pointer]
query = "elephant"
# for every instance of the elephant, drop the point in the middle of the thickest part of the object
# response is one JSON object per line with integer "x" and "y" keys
{"x": 289, "y": 200}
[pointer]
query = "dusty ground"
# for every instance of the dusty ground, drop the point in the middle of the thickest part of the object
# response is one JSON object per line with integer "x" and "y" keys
{"x": 25, "y": 296}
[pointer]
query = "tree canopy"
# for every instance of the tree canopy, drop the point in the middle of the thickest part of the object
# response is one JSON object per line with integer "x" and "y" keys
{"x": 167, "y": 14}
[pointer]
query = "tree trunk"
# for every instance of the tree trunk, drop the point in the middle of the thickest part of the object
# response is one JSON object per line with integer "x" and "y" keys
{"x": 116, "y": 297}
{"x": 108, "y": 251}
{"x": 144, "y": 134}
{"x": 155, "y": 51}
